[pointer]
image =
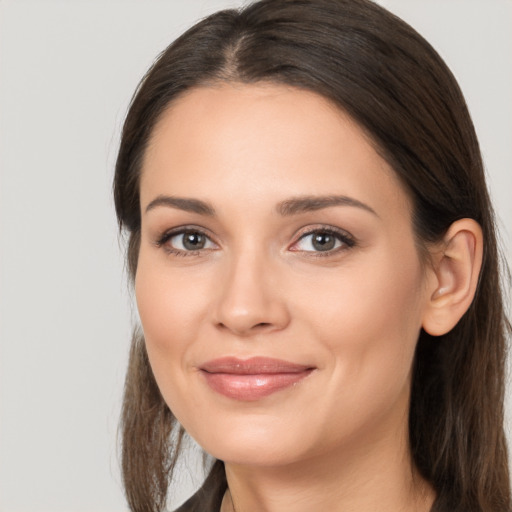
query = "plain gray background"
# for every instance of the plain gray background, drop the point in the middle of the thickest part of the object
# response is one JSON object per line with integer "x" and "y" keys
{"x": 67, "y": 71}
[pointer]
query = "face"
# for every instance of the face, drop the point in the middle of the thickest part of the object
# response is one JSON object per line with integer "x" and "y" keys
{"x": 279, "y": 285}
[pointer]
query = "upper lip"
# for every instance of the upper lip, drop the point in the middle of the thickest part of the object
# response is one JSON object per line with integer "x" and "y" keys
{"x": 252, "y": 366}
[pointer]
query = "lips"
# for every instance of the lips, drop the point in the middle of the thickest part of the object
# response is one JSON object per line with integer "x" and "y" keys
{"x": 252, "y": 379}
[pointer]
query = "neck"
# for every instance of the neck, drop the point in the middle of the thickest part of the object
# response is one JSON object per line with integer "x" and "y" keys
{"x": 375, "y": 475}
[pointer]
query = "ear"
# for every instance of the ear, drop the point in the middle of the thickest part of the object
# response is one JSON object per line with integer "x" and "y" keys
{"x": 455, "y": 269}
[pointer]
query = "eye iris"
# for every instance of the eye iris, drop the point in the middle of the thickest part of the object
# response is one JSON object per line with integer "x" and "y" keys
{"x": 323, "y": 241}
{"x": 193, "y": 241}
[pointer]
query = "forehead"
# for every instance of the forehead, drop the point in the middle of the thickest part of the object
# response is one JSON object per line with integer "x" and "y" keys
{"x": 263, "y": 142}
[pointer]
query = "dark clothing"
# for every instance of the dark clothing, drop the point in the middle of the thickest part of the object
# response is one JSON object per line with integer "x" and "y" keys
{"x": 199, "y": 502}
{"x": 209, "y": 497}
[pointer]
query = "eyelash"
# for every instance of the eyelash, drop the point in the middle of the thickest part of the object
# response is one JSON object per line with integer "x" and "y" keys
{"x": 345, "y": 238}
{"x": 162, "y": 241}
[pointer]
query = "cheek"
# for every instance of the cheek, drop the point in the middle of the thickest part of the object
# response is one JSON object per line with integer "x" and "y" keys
{"x": 369, "y": 321}
{"x": 169, "y": 308}
{"x": 381, "y": 294}
{"x": 387, "y": 302}
{"x": 168, "y": 302}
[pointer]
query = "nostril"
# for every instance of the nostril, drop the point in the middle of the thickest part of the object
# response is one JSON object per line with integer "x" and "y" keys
{"x": 247, "y": 329}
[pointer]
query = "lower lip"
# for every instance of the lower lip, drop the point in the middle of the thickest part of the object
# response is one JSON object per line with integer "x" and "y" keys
{"x": 252, "y": 387}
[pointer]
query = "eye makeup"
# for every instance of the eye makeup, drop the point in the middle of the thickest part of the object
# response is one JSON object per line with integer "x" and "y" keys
{"x": 190, "y": 236}
{"x": 328, "y": 240}
{"x": 324, "y": 241}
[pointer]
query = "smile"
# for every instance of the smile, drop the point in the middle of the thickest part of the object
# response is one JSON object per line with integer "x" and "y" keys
{"x": 252, "y": 379}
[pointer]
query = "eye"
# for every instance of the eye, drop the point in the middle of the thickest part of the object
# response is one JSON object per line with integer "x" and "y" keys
{"x": 185, "y": 241}
{"x": 323, "y": 240}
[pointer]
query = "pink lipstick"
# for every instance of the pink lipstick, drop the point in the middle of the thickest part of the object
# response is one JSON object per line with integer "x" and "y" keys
{"x": 252, "y": 379}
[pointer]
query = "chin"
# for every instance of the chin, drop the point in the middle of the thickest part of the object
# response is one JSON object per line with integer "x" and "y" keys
{"x": 254, "y": 443}
{"x": 260, "y": 455}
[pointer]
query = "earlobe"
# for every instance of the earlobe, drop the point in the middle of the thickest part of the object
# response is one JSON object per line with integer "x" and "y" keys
{"x": 456, "y": 268}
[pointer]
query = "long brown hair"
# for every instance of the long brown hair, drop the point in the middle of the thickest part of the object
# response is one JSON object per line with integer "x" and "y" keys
{"x": 389, "y": 79}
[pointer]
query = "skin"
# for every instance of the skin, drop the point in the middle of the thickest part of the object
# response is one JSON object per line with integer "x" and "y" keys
{"x": 338, "y": 439}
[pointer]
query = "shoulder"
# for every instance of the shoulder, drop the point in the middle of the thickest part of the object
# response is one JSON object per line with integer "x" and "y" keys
{"x": 200, "y": 502}
{"x": 209, "y": 497}
{"x": 191, "y": 505}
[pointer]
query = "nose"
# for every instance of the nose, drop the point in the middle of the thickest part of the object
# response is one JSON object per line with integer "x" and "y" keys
{"x": 250, "y": 299}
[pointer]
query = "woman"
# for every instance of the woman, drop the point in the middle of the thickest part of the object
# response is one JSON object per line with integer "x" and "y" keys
{"x": 315, "y": 267}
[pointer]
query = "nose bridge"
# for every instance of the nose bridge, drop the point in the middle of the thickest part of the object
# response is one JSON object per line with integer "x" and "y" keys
{"x": 249, "y": 299}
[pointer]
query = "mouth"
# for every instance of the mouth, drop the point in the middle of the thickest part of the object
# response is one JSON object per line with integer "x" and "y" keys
{"x": 254, "y": 378}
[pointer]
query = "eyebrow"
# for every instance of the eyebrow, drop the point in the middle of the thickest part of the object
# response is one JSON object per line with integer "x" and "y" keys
{"x": 292, "y": 206}
{"x": 302, "y": 204}
{"x": 182, "y": 203}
